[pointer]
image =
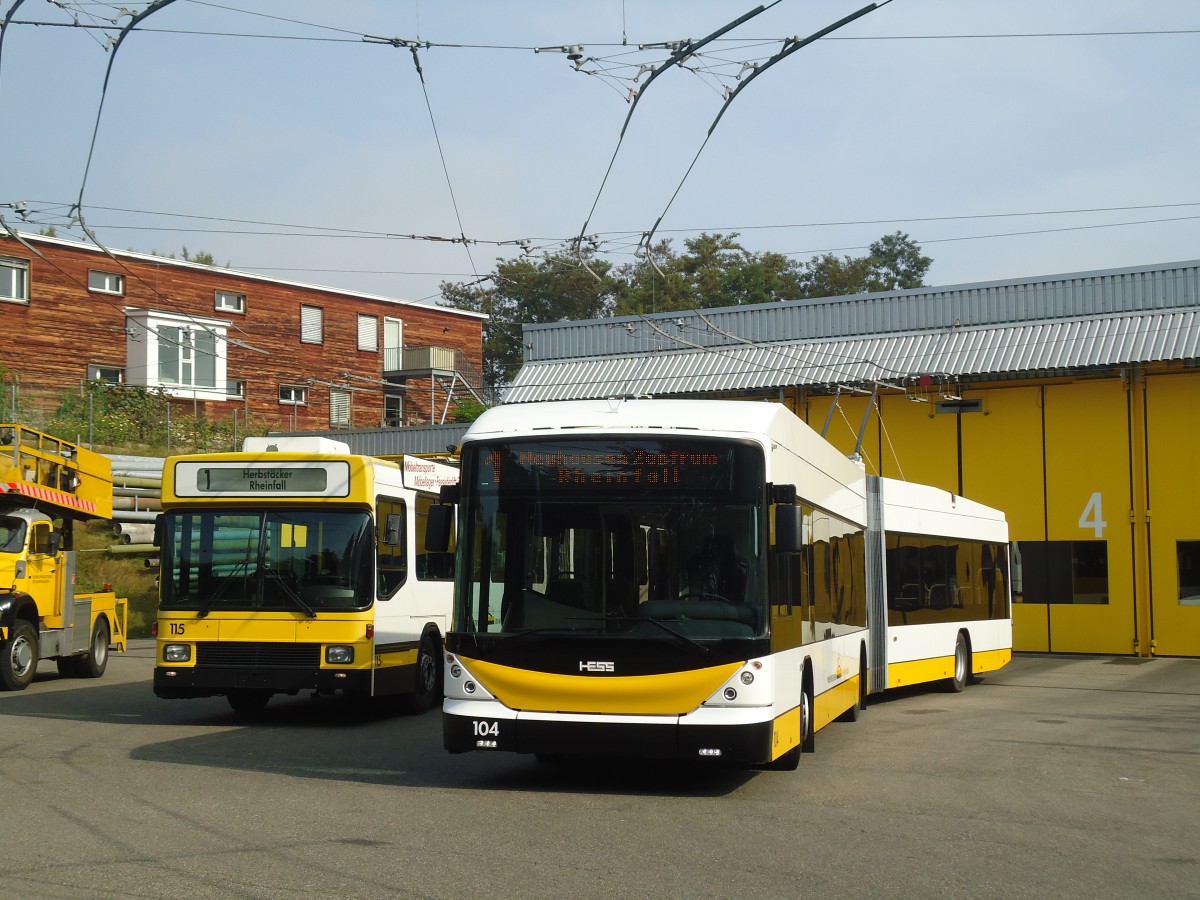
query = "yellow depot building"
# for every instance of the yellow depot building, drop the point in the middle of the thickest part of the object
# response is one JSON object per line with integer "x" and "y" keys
{"x": 1069, "y": 401}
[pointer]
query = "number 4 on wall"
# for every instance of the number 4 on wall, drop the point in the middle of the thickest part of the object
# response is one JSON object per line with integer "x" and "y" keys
{"x": 1093, "y": 517}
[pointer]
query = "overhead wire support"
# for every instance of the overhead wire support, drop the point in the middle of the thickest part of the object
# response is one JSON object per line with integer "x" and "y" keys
{"x": 791, "y": 45}
{"x": 682, "y": 51}
{"x": 12, "y": 10}
{"x": 413, "y": 46}
{"x": 116, "y": 45}
{"x": 76, "y": 210}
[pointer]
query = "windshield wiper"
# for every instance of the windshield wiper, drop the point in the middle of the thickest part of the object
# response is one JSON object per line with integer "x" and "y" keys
{"x": 519, "y": 635}
{"x": 216, "y": 595}
{"x": 685, "y": 641}
{"x": 288, "y": 591}
{"x": 694, "y": 646}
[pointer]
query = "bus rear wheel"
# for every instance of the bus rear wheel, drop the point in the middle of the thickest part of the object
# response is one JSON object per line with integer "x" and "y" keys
{"x": 427, "y": 688}
{"x": 962, "y": 665}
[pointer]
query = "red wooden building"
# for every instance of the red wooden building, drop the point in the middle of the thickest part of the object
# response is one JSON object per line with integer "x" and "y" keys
{"x": 282, "y": 354}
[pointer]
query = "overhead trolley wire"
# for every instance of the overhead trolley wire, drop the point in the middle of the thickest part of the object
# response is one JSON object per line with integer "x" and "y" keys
{"x": 790, "y": 47}
{"x": 686, "y": 48}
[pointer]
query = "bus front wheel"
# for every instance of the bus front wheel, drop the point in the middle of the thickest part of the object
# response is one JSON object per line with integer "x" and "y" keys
{"x": 808, "y": 736}
{"x": 248, "y": 701}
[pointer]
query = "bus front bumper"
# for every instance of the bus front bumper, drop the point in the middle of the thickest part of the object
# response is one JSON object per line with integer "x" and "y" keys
{"x": 470, "y": 726}
{"x": 181, "y": 682}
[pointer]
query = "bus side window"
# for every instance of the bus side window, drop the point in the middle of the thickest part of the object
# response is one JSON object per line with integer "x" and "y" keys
{"x": 390, "y": 549}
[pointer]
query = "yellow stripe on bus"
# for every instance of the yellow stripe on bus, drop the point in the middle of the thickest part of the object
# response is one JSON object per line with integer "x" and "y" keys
{"x": 785, "y": 732}
{"x": 921, "y": 671}
{"x": 390, "y": 658}
{"x": 669, "y": 694}
{"x": 835, "y": 701}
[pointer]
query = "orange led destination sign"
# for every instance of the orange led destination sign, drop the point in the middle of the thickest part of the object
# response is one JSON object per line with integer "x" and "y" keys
{"x": 646, "y": 464}
{"x": 638, "y": 467}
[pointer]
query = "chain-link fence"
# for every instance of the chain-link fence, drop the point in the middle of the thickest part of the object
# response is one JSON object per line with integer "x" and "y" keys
{"x": 100, "y": 415}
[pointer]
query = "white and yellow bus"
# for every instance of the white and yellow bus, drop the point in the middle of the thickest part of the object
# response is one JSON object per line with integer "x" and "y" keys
{"x": 297, "y": 566}
{"x": 699, "y": 579}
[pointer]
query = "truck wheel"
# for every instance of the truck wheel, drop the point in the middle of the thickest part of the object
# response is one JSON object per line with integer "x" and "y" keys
{"x": 428, "y": 688}
{"x": 18, "y": 657}
{"x": 96, "y": 661}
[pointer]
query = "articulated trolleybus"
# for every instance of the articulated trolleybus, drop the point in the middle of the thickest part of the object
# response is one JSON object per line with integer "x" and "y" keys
{"x": 295, "y": 565}
{"x": 699, "y": 579}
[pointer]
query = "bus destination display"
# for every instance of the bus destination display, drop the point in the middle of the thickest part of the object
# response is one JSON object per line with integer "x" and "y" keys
{"x": 296, "y": 479}
{"x": 667, "y": 465}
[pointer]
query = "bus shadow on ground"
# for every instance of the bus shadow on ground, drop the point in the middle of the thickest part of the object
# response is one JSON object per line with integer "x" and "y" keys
{"x": 339, "y": 739}
{"x": 336, "y": 739}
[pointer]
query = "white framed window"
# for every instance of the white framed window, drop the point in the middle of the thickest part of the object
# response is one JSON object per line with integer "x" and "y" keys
{"x": 368, "y": 333}
{"x": 235, "y": 387}
{"x": 312, "y": 325}
{"x": 293, "y": 394}
{"x": 187, "y": 357}
{"x": 14, "y": 279}
{"x": 107, "y": 374}
{"x": 106, "y": 282}
{"x": 231, "y": 301}
{"x": 184, "y": 355}
{"x": 339, "y": 408}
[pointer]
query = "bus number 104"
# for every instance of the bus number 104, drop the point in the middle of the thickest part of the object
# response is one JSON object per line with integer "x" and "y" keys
{"x": 486, "y": 729}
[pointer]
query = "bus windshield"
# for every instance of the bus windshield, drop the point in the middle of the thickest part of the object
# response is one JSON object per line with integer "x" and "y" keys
{"x": 633, "y": 536}
{"x": 304, "y": 560}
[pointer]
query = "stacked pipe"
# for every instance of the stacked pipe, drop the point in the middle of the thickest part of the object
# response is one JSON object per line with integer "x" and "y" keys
{"x": 137, "y": 501}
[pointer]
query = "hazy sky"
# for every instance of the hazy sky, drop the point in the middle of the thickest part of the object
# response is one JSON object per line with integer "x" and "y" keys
{"x": 1010, "y": 138}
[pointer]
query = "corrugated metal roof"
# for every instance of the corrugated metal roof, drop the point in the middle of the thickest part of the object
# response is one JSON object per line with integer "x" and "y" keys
{"x": 1112, "y": 292}
{"x": 957, "y": 351}
{"x": 392, "y": 441}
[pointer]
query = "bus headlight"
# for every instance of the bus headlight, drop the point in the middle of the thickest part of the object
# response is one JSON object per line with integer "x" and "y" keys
{"x": 339, "y": 654}
{"x": 177, "y": 652}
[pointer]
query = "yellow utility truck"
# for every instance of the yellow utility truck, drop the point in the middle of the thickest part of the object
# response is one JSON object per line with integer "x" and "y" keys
{"x": 46, "y": 486}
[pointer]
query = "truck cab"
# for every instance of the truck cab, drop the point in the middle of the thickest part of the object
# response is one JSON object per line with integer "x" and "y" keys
{"x": 46, "y": 485}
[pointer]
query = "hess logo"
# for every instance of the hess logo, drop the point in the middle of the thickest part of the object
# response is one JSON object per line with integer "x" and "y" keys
{"x": 596, "y": 666}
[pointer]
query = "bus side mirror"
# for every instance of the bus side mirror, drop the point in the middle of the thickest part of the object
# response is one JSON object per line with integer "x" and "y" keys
{"x": 393, "y": 529}
{"x": 789, "y": 528}
{"x": 437, "y": 528}
{"x": 158, "y": 531}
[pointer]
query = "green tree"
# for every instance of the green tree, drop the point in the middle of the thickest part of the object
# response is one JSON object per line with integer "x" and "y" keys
{"x": 526, "y": 291}
{"x": 893, "y": 262}
{"x": 897, "y": 263}
{"x": 714, "y": 270}
{"x": 834, "y": 276}
{"x": 202, "y": 257}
